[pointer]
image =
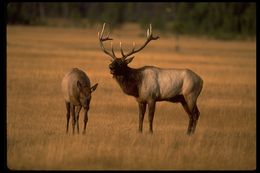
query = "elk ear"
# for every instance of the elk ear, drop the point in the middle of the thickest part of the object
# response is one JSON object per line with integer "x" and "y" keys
{"x": 128, "y": 60}
{"x": 93, "y": 88}
{"x": 79, "y": 85}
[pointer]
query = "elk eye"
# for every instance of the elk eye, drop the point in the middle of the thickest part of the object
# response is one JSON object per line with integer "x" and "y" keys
{"x": 120, "y": 62}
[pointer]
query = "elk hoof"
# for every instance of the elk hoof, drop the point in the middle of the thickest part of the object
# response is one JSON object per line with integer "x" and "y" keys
{"x": 189, "y": 133}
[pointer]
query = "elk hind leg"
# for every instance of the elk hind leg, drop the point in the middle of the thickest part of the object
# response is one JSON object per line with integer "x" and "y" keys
{"x": 187, "y": 110}
{"x": 189, "y": 105}
{"x": 195, "y": 118}
{"x": 67, "y": 115}
{"x": 194, "y": 112}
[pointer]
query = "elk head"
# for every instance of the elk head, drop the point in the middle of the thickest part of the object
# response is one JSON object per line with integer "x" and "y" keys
{"x": 119, "y": 64}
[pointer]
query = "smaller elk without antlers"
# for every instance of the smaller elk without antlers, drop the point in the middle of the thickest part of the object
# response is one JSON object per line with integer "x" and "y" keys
{"x": 150, "y": 84}
{"x": 77, "y": 93}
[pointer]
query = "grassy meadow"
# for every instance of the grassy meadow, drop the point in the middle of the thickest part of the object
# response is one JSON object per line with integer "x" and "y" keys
{"x": 38, "y": 58}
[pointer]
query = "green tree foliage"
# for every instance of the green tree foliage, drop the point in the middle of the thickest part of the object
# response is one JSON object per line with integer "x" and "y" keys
{"x": 221, "y": 20}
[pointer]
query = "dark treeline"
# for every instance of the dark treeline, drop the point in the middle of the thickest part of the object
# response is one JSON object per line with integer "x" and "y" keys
{"x": 221, "y": 20}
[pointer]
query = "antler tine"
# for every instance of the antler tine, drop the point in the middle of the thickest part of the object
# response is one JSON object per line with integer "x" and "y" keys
{"x": 150, "y": 37}
{"x": 121, "y": 49}
{"x": 102, "y": 31}
{"x": 151, "y": 34}
{"x": 151, "y": 29}
{"x": 112, "y": 48}
{"x": 122, "y": 52}
{"x": 102, "y": 39}
{"x": 147, "y": 33}
{"x": 133, "y": 46}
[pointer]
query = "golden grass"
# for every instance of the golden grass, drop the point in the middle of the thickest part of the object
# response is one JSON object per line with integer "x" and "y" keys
{"x": 37, "y": 59}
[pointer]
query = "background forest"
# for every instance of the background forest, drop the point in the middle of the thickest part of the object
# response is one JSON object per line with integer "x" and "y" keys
{"x": 218, "y": 20}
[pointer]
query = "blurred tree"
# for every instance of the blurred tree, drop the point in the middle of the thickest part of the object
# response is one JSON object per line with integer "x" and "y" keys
{"x": 41, "y": 11}
{"x": 94, "y": 12}
{"x": 113, "y": 13}
{"x": 65, "y": 9}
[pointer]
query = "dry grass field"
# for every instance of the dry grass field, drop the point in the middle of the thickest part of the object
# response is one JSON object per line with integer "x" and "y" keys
{"x": 37, "y": 59}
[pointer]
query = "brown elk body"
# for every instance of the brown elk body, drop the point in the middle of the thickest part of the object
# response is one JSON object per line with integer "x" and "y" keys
{"x": 150, "y": 84}
{"x": 77, "y": 91}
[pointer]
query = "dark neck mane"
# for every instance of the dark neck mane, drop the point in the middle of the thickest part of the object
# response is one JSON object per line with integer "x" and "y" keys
{"x": 129, "y": 81}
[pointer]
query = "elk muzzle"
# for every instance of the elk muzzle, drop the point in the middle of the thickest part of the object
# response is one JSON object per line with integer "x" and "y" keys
{"x": 112, "y": 68}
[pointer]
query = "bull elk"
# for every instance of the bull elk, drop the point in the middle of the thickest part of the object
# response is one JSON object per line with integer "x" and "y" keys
{"x": 77, "y": 91}
{"x": 150, "y": 84}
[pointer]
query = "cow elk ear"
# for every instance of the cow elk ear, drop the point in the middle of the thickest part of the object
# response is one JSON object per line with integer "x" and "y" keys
{"x": 128, "y": 60}
{"x": 93, "y": 88}
{"x": 79, "y": 85}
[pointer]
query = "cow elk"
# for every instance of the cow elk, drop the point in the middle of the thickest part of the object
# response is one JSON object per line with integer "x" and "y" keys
{"x": 150, "y": 84}
{"x": 77, "y": 91}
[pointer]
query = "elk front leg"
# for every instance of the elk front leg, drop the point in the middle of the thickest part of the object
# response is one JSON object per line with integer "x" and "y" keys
{"x": 85, "y": 120}
{"x": 151, "y": 107}
{"x": 78, "y": 108}
{"x": 67, "y": 115}
{"x": 72, "y": 110}
{"x": 142, "y": 109}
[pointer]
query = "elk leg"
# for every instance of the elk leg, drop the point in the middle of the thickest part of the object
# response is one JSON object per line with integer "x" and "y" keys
{"x": 192, "y": 107}
{"x": 196, "y": 117}
{"x": 85, "y": 121}
{"x": 68, "y": 115}
{"x": 186, "y": 108}
{"x": 142, "y": 109}
{"x": 72, "y": 110}
{"x": 78, "y": 108}
{"x": 151, "y": 107}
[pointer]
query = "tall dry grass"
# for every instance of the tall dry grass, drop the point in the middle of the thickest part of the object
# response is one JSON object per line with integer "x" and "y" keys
{"x": 37, "y": 59}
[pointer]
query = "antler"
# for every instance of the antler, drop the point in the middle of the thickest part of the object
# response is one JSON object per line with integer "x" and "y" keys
{"x": 103, "y": 39}
{"x": 149, "y": 36}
